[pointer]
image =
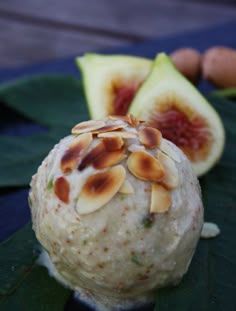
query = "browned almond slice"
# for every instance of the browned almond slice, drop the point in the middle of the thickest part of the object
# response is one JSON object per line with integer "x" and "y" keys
{"x": 113, "y": 143}
{"x": 160, "y": 199}
{"x": 100, "y": 158}
{"x": 126, "y": 188}
{"x": 149, "y": 137}
{"x": 87, "y": 126}
{"x": 118, "y": 117}
{"x": 166, "y": 148}
{"x": 132, "y": 120}
{"x": 109, "y": 128}
{"x": 171, "y": 176}
{"x": 62, "y": 189}
{"x": 122, "y": 134}
{"x": 144, "y": 166}
{"x": 99, "y": 189}
{"x": 75, "y": 152}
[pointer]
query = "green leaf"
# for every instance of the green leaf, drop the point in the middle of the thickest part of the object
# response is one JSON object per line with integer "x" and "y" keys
{"x": 49, "y": 100}
{"x": 229, "y": 92}
{"x": 21, "y": 156}
{"x": 24, "y": 284}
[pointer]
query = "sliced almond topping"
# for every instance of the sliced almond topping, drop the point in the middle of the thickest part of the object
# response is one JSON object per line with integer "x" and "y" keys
{"x": 113, "y": 143}
{"x": 160, "y": 199}
{"x": 119, "y": 117}
{"x": 150, "y": 137}
{"x": 166, "y": 148}
{"x": 100, "y": 158}
{"x": 135, "y": 147}
{"x": 132, "y": 120}
{"x": 144, "y": 166}
{"x": 87, "y": 126}
{"x": 126, "y": 188}
{"x": 122, "y": 134}
{"x": 109, "y": 128}
{"x": 75, "y": 152}
{"x": 171, "y": 176}
{"x": 99, "y": 189}
{"x": 62, "y": 189}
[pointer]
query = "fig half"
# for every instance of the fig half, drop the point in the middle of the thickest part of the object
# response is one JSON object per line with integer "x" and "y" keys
{"x": 169, "y": 102}
{"x": 111, "y": 81}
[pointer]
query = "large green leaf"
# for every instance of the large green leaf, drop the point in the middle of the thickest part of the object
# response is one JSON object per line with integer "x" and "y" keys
{"x": 54, "y": 101}
{"x": 210, "y": 282}
{"x": 48, "y": 100}
{"x": 24, "y": 284}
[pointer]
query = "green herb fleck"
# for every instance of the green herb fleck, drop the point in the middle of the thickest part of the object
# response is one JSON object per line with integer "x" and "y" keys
{"x": 148, "y": 221}
{"x": 136, "y": 260}
{"x": 50, "y": 184}
{"x": 84, "y": 242}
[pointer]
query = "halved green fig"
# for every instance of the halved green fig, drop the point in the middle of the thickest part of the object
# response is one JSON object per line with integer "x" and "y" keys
{"x": 169, "y": 102}
{"x": 111, "y": 81}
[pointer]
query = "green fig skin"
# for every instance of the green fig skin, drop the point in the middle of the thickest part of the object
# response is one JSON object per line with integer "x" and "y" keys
{"x": 111, "y": 80}
{"x": 166, "y": 88}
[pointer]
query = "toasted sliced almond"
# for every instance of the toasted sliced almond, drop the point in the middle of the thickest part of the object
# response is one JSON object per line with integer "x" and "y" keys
{"x": 119, "y": 117}
{"x": 122, "y": 134}
{"x": 134, "y": 122}
{"x": 75, "y": 152}
{"x": 135, "y": 147}
{"x": 99, "y": 189}
{"x": 166, "y": 148}
{"x": 62, "y": 189}
{"x": 144, "y": 166}
{"x": 171, "y": 176}
{"x": 109, "y": 128}
{"x": 87, "y": 126}
{"x": 113, "y": 143}
{"x": 150, "y": 137}
{"x": 126, "y": 188}
{"x": 100, "y": 158}
{"x": 160, "y": 199}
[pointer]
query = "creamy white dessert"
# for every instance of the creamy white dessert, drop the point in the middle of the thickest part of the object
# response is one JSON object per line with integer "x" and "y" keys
{"x": 118, "y": 210}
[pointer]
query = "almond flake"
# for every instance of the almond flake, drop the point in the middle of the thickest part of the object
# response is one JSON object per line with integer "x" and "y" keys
{"x": 135, "y": 147}
{"x": 62, "y": 189}
{"x": 160, "y": 199}
{"x": 171, "y": 176}
{"x": 75, "y": 152}
{"x": 113, "y": 143}
{"x": 126, "y": 188}
{"x": 109, "y": 128}
{"x": 99, "y": 189}
{"x": 144, "y": 166}
{"x": 87, "y": 126}
{"x": 122, "y": 134}
{"x": 119, "y": 117}
{"x": 100, "y": 158}
{"x": 150, "y": 137}
{"x": 132, "y": 120}
{"x": 167, "y": 149}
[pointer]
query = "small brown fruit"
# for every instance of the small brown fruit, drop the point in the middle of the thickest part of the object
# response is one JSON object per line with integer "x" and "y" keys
{"x": 188, "y": 62}
{"x": 219, "y": 66}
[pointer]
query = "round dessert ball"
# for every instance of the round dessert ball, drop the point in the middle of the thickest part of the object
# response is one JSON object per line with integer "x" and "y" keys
{"x": 118, "y": 211}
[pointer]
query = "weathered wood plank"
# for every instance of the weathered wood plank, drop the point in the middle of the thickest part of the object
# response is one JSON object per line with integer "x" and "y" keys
{"x": 145, "y": 18}
{"x": 24, "y": 44}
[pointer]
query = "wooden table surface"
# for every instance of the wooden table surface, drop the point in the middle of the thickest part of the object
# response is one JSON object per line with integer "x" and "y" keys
{"x": 40, "y": 30}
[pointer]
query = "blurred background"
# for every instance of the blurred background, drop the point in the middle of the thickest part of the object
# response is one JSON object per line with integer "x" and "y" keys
{"x": 41, "y": 30}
